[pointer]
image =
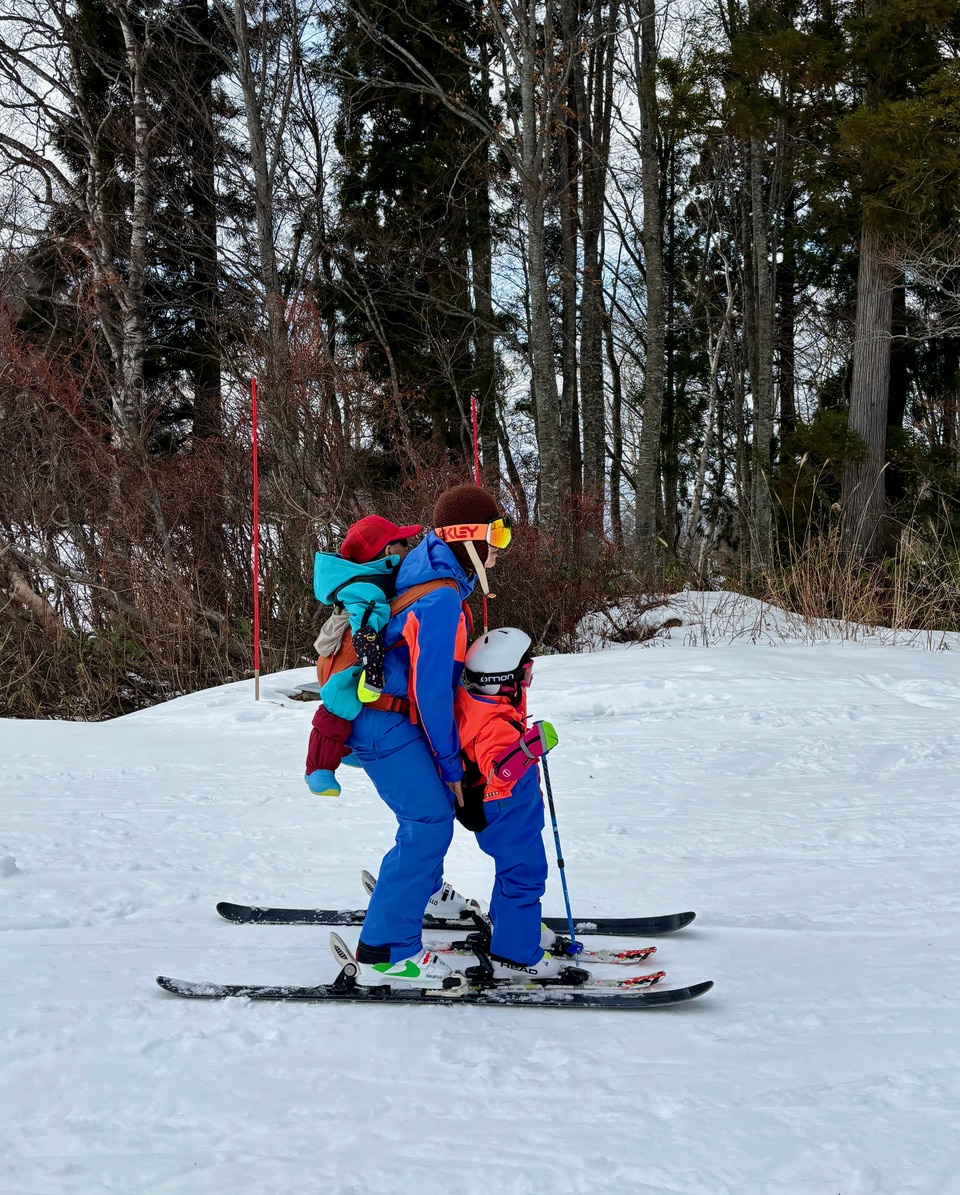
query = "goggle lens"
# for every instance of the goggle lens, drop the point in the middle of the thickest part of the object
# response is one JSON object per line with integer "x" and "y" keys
{"x": 499, "y": 533}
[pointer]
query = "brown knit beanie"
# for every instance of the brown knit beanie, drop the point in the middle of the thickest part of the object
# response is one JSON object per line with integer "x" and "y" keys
{"x": 466, "y": 504}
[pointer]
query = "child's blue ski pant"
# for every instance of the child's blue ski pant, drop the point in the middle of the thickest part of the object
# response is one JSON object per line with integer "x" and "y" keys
{"x": 512, "y": 838}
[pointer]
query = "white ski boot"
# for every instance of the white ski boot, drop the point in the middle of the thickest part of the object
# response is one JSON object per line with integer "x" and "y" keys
{"x": 548, "y": 969}
{"x": 422, "y": 970}
{"x": 446, "y": 902}
{"x": 557, "y": 945}
{"x": 549, "y": 939}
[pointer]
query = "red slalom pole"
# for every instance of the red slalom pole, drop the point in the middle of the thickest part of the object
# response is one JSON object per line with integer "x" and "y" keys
{"x": 476, "y": 478}
{"x": 256, "y": 547}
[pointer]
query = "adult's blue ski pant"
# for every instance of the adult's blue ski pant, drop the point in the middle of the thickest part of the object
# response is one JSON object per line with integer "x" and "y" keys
{"x": 396, "y": 757}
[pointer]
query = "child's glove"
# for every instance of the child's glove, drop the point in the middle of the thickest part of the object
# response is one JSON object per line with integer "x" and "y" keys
{"x": 516, "y": 760}
{"x": 548, "y": 736}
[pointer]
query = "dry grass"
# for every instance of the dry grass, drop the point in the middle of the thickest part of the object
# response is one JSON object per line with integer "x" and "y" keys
{"x": 916, "y": 588}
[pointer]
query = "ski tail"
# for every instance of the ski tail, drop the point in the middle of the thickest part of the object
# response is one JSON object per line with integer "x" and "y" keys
{"x": 344, "y": 955}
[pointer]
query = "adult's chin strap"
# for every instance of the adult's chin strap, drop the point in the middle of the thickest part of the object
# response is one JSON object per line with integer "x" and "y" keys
{"x": 481, "y": 571}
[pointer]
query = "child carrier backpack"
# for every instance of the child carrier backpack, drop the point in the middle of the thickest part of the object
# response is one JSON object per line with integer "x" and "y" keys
{"x": 342, "y": 654}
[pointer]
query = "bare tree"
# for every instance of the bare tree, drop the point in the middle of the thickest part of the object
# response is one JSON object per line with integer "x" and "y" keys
{"x": 48, "y": 68}
{"x": 642, "y": 22}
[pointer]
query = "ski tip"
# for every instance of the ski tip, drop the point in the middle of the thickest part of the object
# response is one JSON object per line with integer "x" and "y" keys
{"x": 671, "y": 924}
{"x": 698, "y": 989}
{"x": 665, "y": 998}
{"x": 232, "y": 912}
{"x": 679, "y": 920}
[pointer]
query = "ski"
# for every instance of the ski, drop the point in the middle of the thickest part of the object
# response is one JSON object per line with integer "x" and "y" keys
{"x": 615, "y": 927}
{"x": 527, "y": 996}
{"x": 624, "y": 958}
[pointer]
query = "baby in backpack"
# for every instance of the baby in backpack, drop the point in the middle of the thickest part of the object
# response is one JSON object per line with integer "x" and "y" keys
{"x": 359, "y": 584}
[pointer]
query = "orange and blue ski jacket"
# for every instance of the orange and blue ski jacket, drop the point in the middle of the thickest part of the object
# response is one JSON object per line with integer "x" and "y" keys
{"x": 426, "y": 645}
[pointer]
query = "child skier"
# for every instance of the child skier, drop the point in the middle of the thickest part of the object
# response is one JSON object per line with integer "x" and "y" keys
{"x": 359, "y": 584}
{"x": 501, "y": 798}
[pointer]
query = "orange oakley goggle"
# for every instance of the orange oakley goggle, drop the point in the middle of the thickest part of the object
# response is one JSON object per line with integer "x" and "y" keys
{"x": 497, "y": 534}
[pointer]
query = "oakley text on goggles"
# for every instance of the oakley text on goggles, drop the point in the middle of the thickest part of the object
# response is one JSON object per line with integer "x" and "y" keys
{"x": 497, "y": 533}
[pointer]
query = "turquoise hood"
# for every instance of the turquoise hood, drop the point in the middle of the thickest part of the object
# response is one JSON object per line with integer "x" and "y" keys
{"x": 331, "y": 572}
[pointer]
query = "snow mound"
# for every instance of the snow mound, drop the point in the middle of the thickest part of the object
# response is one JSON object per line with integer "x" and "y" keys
{"x": 701, "y": 618}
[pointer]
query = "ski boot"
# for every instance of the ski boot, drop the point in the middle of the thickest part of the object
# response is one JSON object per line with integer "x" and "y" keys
{"x": 446, "y": 903}
{"x": 424, "y": 970}
{"x": 552, "y": 943}
{"x": 495, "y": 971}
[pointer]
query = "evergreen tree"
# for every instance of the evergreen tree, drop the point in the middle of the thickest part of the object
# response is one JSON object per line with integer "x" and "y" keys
{"x": 414, "y": 205}
{"x": 902, "y": 144}
{"x": 84, "y": 266}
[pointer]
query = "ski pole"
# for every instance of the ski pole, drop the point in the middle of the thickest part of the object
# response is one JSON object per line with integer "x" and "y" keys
{"x": 575, "y": 947}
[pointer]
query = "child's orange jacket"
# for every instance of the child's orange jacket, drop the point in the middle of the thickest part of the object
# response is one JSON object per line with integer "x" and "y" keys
{"x": 487, "y": 726}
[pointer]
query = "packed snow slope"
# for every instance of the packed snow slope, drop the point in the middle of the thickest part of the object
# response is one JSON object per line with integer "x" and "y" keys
{"x": 802, "y": 797}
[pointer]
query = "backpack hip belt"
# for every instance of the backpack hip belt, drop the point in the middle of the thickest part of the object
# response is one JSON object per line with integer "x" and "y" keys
{"x": 390, "y": 704}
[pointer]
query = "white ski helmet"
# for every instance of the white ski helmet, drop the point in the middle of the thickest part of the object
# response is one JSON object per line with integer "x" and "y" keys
{"x": 496, "y": 659}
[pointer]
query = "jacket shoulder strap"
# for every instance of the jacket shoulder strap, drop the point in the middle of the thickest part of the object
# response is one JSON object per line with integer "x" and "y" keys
{"x": 415, "y": 592}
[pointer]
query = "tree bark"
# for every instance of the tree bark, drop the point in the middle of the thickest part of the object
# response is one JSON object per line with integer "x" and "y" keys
{"x": 616, "y": 435}
{"x": 207, "y": 395}
{"x": 863, "y": 481}
{"x": 263, "y": 165}
{"x": 761, "y": 504}
{"x": 537, "y": 60}
{"x": 786, "y": 325}
{"x": 648, "y": 458}
{"x": 481, "y": 252}
{"x": 594, "y": 89}
{"x": 129, "y": 412}
{"x": 569, "y": 163}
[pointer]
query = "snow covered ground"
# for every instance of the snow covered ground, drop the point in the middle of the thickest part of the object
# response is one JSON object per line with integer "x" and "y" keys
{"x": 803, "y": 798}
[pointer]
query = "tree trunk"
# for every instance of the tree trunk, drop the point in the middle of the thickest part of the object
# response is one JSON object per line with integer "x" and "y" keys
{"x": 761, "y": 504}
{"x": 616, "y": 434}
{"x": 207, "y": 396}
{"x": 481, "y": 253}
{"x": 263, "y": 170}
{"x": 863, "y": 482}
{"x": 537, "y": 60}
{"x": 594, "y": 90}
{"x": 571, "y": 461}
{"x": 133, "y": 300}
{"x": 484, "y": 339}
{"x": 786, "y": 326}
{"x": 648, "y": 457}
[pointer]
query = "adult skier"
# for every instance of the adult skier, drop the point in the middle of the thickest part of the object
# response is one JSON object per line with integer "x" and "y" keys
{"x": 413, "y": 755}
